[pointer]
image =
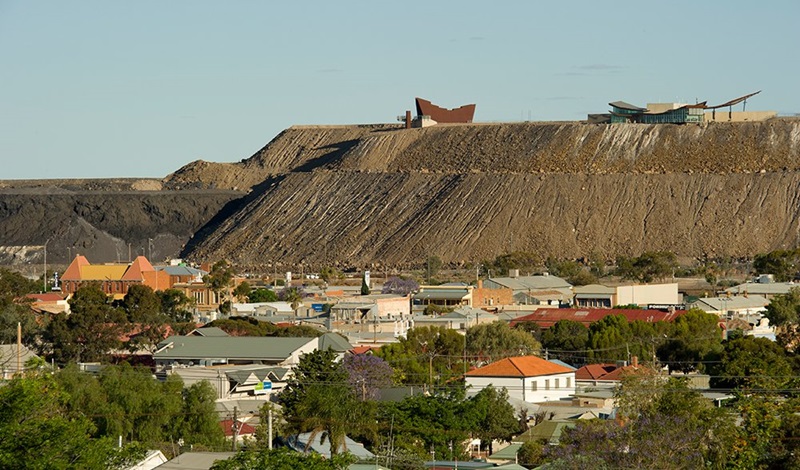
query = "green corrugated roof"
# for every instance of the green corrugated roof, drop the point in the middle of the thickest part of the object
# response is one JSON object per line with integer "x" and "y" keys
{"x": 334, "y": 341}
{"x": 507, "y": 453}
{"x": 229, "y": 347}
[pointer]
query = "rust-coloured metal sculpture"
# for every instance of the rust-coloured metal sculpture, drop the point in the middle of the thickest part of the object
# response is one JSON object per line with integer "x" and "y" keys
{"x": 463, "y": 114}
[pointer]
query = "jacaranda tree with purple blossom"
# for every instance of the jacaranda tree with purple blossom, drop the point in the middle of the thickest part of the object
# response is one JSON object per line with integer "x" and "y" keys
{"x": 400, "y": 286}
{"x": 367, "y": 374}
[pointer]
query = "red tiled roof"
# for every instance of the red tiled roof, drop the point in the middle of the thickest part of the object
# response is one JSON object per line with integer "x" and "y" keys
{"x": 362, "y": 349}
{"x": 594, "y": 371}
{"x": 522, "y": 366}
{"x": 547, "y": 317}
{"x": 244, "y": 428}
{"x": 46, "y": 297}
{"x": 134, "y": 272}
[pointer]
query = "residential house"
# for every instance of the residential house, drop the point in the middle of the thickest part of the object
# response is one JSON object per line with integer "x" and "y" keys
{"x": 13, "y": 359}
{"x": 49, "y": 302}
{"x": 113, "y": 278}
{"x": 367, "y": 308}
{"x": 530, "y": 284}
{"x": 491, "y": 298}
{"x": 763, "y": 285}
{"x": 195, "y": 460}
{"x": 459, "y": 319}
{"x": 733, "y": 306}
{"x": 263, "y": 309}
{"x": 450, "y": 295}
{"x": 547, "y": 317}
{"x": 528, "y": 378}
{"x": 322, "y": 445}
{"x": 218, "y": 350}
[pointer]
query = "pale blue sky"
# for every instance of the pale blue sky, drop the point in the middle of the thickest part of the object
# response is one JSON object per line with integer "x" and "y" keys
{"x": 140, "y": 88}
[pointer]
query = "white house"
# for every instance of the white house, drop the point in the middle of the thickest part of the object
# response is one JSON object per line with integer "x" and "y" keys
{"x": 527, "y": 378}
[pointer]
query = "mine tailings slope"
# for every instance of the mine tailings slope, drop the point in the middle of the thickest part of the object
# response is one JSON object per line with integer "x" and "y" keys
{"x": 357, "y": 195}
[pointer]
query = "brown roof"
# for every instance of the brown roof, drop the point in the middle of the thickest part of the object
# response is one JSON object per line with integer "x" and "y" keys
{"x": 521, "y": 366}
{"x": 594, "y": 371}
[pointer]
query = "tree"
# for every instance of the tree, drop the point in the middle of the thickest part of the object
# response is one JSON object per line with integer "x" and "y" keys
{"x": 38, "y": 433}
{"x": 780, "y": 263}
{"x": 15, "y": 308}
{"x": 176, "y": 305}
{"x": 514, "y": 260}
{"x": 432, "y": 266}
{"x": 490, "y": 342}
{"x": 242, "y": 291}
{"x": 648, "y": 266}
{"x": 491, "y": 416}
{"x": 318, "y": 399}
{"x": 200, "y": 425}
{"x": 428, "y": 355}
{"x": 364, "y": 285}
{"x": 262, "y": 295}
{"x": 567, "y": 339}
{"x": 220, "y": 278}
{"x": 143, "y": 307}
{"x": 400, "y": 286}
{"x": 293, "y": 295}
{"x": 749, "y": 362}
{"x": 692, "y": 337}
{"x": 785, "y": 309}
{"x": 90, "y": 332}
{"x": 283, "y": 459}
{"x": 367, "y": 374}
{"x": 531, "y": 454}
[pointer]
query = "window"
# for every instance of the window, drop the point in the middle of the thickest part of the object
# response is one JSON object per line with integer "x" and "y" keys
{"x": 556, "y": 383}
{"x": 569, "y": 382}
{"x": 547, "y": 384}
{"x": 534, "y": 386}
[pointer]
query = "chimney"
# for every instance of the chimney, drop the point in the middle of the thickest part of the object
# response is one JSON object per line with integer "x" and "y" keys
{"x": 408, "y": 119}
{"x": 635, "y": 361}
{"x": 480, "y": 283}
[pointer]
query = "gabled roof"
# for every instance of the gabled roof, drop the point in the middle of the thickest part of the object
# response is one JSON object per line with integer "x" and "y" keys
{"x": 134, "y": 272}
{"x": 46, "y": 297}
{"x": 521, "y": 366}
{"x": 244, "y": 428}
{"x": 208, "y": 331}
{"x": 594, "y": 371}
{"x": 731, "y": 303}
{"x": 229, "y": 347}
{"x": 334, "y": 341}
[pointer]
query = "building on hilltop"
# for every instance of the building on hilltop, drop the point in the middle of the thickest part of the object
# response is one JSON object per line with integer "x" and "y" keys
{"x": 679, "y": 113}
{"x": 428, "y": 114}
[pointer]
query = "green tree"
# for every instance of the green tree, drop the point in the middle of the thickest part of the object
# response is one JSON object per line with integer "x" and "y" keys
{"x": 784, "y": 309}
{"x": 293, "y": 295}
{"x": 15, "y": 308}
{"x": 491, "y": 417}
{"x": 494, "y": 341}
{"x": 318, "y": 399}
{"x": 90, "y": 332}
{"x": 751, "y": 363}
{"x": 780, "y": 263}
{"x": 692, "y": 337}
{"x": 283, "y": 459}
{"x": 200, "y": 425}
{"x": 143, "y": 307}
{"x": 515, "y": 260}
{"x": 531, "y": 454}
{"x": 220, "y": 278}
{"x": 242, "y": 291}
{"x": 567, "y": 339}
{"x": 39, "y": 434}
{"x": 429, "y": 355}
{"x": 262, "y": 295}
{"x": 176, "y": 305}
{"x": 648, "y": 267}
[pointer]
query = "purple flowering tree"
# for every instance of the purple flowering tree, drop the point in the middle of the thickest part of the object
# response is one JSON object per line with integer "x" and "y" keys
{"x": 398, "y": 285}
{"x": 367, "y": 374}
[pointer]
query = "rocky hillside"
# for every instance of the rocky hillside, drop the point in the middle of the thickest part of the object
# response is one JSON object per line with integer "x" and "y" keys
{"x": 356, "y": 195}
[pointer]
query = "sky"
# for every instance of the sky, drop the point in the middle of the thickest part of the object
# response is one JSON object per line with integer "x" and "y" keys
{"x": 96, "y": 89}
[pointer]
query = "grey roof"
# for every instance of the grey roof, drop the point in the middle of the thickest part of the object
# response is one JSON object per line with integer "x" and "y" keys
{"x": 210, "y": 331}
{"x": 229, "y": 347}
{"x": 446, "y": 294}
{"x": 322, "y": 445}
{"x": 524, "y": 283}
{"x": 562, "y": 363}
{"x": 181, "y": 270}
{"x": 334, "y": 341}
{"x": 731, "y": 303}
{"x": 8, "y": 357}
{"x": 594, "y": 289}
{"x": 195, "y": 460}
{"x": 763, "y": 288}
{"x": 628, "y": 106}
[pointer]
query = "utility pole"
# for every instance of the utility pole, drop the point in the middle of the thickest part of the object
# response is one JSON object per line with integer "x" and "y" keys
{"x": 44, "y": 276}
{"x": 270, "y": 428}
{"x": 235, "y": 426}
{"x": 19, "y": 347}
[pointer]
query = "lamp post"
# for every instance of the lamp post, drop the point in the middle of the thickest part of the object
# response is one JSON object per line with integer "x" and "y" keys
{"x": 44, "y": 276}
